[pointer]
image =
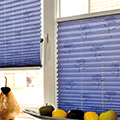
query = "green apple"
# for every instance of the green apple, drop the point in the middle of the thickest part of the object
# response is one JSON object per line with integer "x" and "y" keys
{"x": 46, "y": 110}
{"x": 108, "y": 115}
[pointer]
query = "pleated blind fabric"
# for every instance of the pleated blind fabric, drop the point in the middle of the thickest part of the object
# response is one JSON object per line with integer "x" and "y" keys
{"x": 20, "y": 33}
{"x": 89, "y": 64}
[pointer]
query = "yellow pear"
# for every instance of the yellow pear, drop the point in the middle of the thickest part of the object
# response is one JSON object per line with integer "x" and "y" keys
{"x": 108, "y": 115}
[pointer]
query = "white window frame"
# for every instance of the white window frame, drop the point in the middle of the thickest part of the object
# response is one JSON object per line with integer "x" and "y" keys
{"x": 49, "y": 47}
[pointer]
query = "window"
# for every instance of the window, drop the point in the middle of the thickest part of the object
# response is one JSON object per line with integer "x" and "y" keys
{"x": 67, "y": 7}
{"x": 49, "y": 69}
{"x": 103, "y": 5}
{"x": 88, "y": 62}
{"x": 26, "y": 86}
{"x": 20, "y": 35}
{"x": 50, "y": 79}
{"x": 71, "y": 7}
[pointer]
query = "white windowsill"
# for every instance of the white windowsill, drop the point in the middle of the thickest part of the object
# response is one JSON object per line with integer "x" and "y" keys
{"x": 24, "y": 116}
{"x": 23, "y": 119}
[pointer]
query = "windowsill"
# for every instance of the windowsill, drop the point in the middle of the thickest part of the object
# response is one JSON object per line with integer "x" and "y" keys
{"x": 24, "y": 119}
{"x": 25, "y": 116}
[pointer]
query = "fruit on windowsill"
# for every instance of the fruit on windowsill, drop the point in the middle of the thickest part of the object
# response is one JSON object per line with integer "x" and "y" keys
{"x": 108, "y": 115}
{"x": 90, "y": 115}
{"x": 75, "y": 114}
{"x": 46, "y": 110}
{"x": 59, "y": 113}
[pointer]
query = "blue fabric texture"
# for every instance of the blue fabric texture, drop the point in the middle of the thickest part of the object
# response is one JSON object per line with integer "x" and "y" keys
{"x": 89, "y": 64}
{"x": 20, "y": 33}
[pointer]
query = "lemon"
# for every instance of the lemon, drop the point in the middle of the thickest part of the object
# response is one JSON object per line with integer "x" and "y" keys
{"x": 90, "y": 115}
{"x": 59, "y": 113}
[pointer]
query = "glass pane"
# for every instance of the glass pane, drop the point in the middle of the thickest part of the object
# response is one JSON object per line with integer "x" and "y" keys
{"x": 25, "y": 85}
{"x": 73, "y": 7}
{"x": 77, "y": 7}
{"x": 103, "y": 5}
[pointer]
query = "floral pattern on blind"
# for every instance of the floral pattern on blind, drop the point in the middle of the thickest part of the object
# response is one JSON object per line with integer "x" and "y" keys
{"x": 20, "y": 24}
{"x": 89, "y": 64}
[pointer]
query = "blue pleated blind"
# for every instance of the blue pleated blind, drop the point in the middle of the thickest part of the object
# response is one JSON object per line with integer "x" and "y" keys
{"x": 20, "y": 33}
{"x": 89, "y": 64}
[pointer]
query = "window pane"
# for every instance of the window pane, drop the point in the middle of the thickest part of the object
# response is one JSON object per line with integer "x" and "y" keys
{"x": 77, "y": 7}
{"x": 103, "y": 5}
{"x": 72, "y": 7}
{"x": 26, "y": 86}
